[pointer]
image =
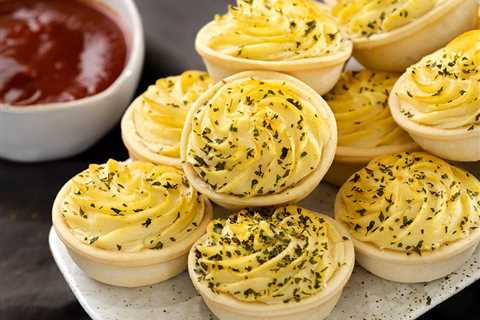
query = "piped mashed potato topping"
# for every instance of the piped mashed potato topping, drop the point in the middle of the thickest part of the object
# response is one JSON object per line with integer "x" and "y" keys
{"x": 131, "y": 207}
{"x": 160, "y": 112}
{"x": 443, "y": 89}
{"x": 257, "y": 137}
{"x": 277, "y": 30}
{"x": 259, "y": 256}
{"x": 360, "y": 104}
{"x": 410, "y": 203}
{"x": 364, "y": 18}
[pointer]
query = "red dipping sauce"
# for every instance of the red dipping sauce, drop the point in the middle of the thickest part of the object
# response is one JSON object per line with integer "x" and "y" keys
{"x": 57, "y": 51}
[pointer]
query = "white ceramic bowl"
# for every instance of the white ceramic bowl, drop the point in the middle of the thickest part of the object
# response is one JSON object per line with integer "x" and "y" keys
{"x": 57, "y": 130}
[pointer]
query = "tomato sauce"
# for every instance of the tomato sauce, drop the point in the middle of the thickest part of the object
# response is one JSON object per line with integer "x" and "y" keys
{"x": 57, "y": 51}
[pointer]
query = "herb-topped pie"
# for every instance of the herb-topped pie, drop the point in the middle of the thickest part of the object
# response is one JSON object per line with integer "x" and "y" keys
{"x": 413, "y": 217}
{"x": 257, "y": 139}
{"x": 436, "y": 100}
{"x": 391, "y": 35}
{"x": 130, "y": 224}
{"x": 152, "y": 125}
{"x": 366, "y": 128}
{"x": 272, "y": 263}
{"x": 298, "y": 37}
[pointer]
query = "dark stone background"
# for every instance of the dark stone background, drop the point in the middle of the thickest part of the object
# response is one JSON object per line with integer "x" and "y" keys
{"x": 31, "y": 286}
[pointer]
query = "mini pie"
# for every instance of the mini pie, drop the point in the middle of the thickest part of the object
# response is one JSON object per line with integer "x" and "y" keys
{"x": 152, "y": 125}
{"x": 391, "y": 35}
{"x": 436, "y": 100}
{"x": 298, "y": 37}
{"x": 130, "y": 224}
{"x": 413, "y": 217}
{"x": 366, "y": 128}
{"x": 257, "y": 139}
{"x": 272, "y": 264}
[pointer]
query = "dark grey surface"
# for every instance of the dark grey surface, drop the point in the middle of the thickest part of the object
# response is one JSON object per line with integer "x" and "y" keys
{"x": 31, "y": 287}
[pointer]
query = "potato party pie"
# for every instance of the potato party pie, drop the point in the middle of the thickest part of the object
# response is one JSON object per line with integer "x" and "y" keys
{"x": 296, "y": 37}
{"x": 413, "y": 210}
{"x": 436, "y": 100}
{"x": 152, "y": 125}
{"x": 129, "y": 218}
{"x": 255, "y": 135}
{"x": 288, "y": 260}
{"x": 365, "y": 126}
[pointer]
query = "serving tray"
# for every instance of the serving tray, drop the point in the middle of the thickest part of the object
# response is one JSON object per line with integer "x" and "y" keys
{"x": 365, "y": 296}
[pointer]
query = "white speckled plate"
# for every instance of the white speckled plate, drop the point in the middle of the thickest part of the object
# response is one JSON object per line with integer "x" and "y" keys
{"x": 364, "y": 297}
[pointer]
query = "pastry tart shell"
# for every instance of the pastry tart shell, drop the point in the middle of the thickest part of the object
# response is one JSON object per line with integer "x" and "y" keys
{"x": 293, "y": 194}
{"x": 349, "y": 160}
{"x": 319, "y": 73}
{"x": 398, "y": 49}
{"x": 451, "y": 144}
{"x": 136, "y": 149}
{"x": 126, "y": 269}
{"x": 321, "y": 305}
{"x": 399, "y": 267}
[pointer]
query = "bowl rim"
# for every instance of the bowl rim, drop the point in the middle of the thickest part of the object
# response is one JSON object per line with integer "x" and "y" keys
{"x": 336, "y": 284}
{"x": 278, "y": 65}
{"x": 135, "y": 50}
{"x": 126, "y": 259}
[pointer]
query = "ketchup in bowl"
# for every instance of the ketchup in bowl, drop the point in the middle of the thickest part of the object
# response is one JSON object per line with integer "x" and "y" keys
{"x": 57, "y": 51}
